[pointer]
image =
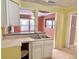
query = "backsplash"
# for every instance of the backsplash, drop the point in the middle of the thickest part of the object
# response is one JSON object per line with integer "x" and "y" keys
{"x": 4, "y": 30}
{"x": 15, "y": 36}
{"x": 16, "y": 28}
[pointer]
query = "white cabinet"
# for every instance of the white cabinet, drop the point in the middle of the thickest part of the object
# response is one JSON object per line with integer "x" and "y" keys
{"x": 48, "y": 47}
{"x": 37, "y": 53}
{"x": 10, "y": 13}
{"x": 3, "y": 13}
{"x": 37, "y": 50}
{"x": 13, "y": 14}
{"x": 41, "y": 49}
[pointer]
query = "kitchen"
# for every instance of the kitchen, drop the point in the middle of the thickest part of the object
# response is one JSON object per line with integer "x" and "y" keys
{"x": 25, "y": 44}
{"x": 33, "y": 38}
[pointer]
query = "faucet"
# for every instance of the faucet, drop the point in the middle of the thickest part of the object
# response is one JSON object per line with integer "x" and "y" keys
{"x": 9, "y": 29}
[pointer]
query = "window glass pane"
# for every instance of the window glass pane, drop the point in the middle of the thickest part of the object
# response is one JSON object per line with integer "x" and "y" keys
{"x": 24, "y": 21}
{"x": 24, "y": 24}
{"x": 31, "y": 22}
{"x": 48, "y": 23}
{"x": 27, "y": 25}
{"x": 25, "y": 28}
{"x": 32, "y": 25}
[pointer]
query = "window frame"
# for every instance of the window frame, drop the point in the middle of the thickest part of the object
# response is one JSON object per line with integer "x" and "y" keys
{"x": 50, "y": 19}
{"x": 29, "y": 25}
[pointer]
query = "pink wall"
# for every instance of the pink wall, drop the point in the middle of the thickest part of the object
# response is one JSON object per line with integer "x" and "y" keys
{"x": 16, "y": 28}
{"x": 41, "y": 25}
{"x": 50, "y": 31}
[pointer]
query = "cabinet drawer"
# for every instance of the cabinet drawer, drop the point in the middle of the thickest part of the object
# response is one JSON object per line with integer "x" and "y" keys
{"x": 37, "y": 43}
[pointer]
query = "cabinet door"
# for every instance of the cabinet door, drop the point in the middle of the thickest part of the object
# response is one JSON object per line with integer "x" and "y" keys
{"x": 48, "y": 47}
{"x": 3, "y": 13}
{"x": 11, "y": 52}
{"x": 37, "y": 50}
{"x": 13, "y": 14}
{"x": 37, "y": 53}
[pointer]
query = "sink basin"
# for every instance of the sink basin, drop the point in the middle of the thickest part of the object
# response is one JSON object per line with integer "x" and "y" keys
{"x": 44, "y": 36}
{"x": 36, "y": 36}
{"x": 39, "y": 36}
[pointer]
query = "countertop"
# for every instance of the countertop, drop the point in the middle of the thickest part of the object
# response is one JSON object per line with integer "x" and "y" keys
{"x": 23, "y": 33}
{"x": 5, "y": 43}
{"x": 14, "y": 42}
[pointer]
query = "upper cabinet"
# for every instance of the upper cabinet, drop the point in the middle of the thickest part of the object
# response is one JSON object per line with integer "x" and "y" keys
{"x": 10, "y": 13}
{"x": 13, "y": 13}
{"x": 3, "y": 13}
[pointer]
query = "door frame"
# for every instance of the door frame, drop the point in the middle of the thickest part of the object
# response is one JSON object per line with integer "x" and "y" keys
{"x": 54, "y": 40}
{"x": 56, "y": 15}
{"x": 55, "y": 29}
{"x": 69, "y": 28}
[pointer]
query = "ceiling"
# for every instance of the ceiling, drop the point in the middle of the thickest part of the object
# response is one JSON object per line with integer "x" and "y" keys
{"x": 60, "y": 3}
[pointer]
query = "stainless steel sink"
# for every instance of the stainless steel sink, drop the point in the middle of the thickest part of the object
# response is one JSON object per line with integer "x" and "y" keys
{"x": 36, "y": 36}
{"x": 43, "y": 36}
{"x": 39, "y": 36}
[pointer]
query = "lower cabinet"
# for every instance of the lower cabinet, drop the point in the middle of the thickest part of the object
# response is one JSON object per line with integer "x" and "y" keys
{"x": 37, "y": 53}
{"x": 37, "y": 50}
{"x": 47, "y": 50}
{"x": 11, "y": 52}
{"x": 41, "y": 49}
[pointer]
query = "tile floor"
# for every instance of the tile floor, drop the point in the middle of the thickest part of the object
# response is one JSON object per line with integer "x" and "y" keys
{"x": 65, "y": 53}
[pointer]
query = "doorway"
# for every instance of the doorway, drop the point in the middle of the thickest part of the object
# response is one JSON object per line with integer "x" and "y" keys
{"x": 72, "y": 32}
{"x": 47, "y": 23}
